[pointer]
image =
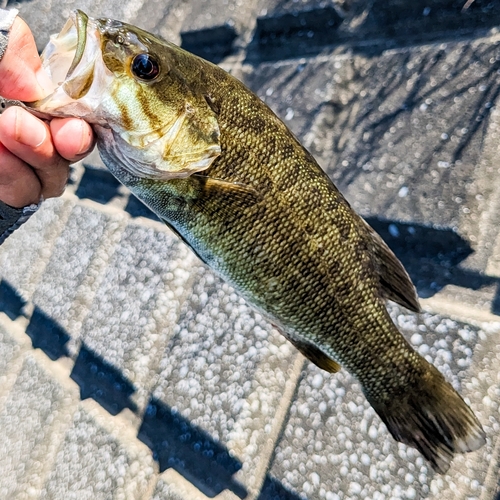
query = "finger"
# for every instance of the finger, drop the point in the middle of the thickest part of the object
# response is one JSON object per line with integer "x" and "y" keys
{"x": 29, "y": 138}
{"x": 72, "y": 138}
{"x": 21, "y": 74}
{"x": 19, "y": 185}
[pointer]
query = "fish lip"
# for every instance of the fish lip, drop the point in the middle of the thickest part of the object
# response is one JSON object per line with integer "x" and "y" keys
{"x": 81, "y": 21}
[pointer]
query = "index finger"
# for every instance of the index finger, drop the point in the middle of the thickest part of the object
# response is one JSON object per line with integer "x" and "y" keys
{"x": 29, "y": 139}
{"x": 21, "y": 74}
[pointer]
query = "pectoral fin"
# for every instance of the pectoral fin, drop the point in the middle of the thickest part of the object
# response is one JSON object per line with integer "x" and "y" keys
{"x": 226, "y": 192}
{"x": 315, "y": 355}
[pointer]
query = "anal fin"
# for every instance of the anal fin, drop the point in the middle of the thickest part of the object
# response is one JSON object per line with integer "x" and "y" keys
{"x": 315, "y": 355}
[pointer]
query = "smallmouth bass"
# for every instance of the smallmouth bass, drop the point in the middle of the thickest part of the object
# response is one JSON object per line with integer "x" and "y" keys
{"x": 220, "y": 169}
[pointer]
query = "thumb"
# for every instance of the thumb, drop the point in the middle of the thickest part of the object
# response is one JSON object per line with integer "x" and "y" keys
{"x": 21, "y": 74}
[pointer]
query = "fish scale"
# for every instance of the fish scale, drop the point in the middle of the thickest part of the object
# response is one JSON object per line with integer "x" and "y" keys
{"x": 235, "y": 184}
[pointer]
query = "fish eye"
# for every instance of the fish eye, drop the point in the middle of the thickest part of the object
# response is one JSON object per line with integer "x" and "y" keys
{"x": 145, "y": 67}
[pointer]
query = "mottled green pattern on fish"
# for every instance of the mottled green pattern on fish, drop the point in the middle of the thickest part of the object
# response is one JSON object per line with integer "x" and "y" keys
{"x": 295, "y": 248}
{"x": 263, "y": 214}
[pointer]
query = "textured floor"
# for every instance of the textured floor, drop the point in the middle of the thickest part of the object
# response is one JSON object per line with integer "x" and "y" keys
{"x": 128, "y": 370}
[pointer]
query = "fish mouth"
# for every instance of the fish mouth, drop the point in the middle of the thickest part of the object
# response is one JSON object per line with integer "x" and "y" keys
{"x": 65, "y": 51}
{"x": 70, "y": 59}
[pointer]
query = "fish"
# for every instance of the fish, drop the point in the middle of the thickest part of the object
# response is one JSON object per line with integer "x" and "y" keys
{"x": 217, "y": 165}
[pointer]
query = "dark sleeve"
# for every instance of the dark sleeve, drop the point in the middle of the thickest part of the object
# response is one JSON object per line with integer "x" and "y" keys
{"x": 10, "y": 218}
{"x": 6, "y": 19}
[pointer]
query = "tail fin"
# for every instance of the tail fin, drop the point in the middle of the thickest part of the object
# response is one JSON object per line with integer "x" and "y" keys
{"x": 432, "y": 418}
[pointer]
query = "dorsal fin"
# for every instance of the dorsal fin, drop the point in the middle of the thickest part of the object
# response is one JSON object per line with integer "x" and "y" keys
{"x": 395, "y": 284}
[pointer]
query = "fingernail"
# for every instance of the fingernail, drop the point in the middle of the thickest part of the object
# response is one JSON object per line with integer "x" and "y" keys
{"x": 44, "y": 82}
{"x": 29, "y": 130}
{"x": 86, "y": 138}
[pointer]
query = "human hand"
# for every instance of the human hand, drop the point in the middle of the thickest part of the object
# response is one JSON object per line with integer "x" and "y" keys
{"x": 34, "y": 155}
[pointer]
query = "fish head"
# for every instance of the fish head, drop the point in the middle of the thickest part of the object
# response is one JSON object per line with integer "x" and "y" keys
{"x": 129, "y": 85}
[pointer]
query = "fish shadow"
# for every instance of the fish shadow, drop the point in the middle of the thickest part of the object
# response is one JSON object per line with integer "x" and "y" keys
{"x": 97, "y": 184}
{"x": 136, "y": 208}
{"x": 432, "y": 257}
